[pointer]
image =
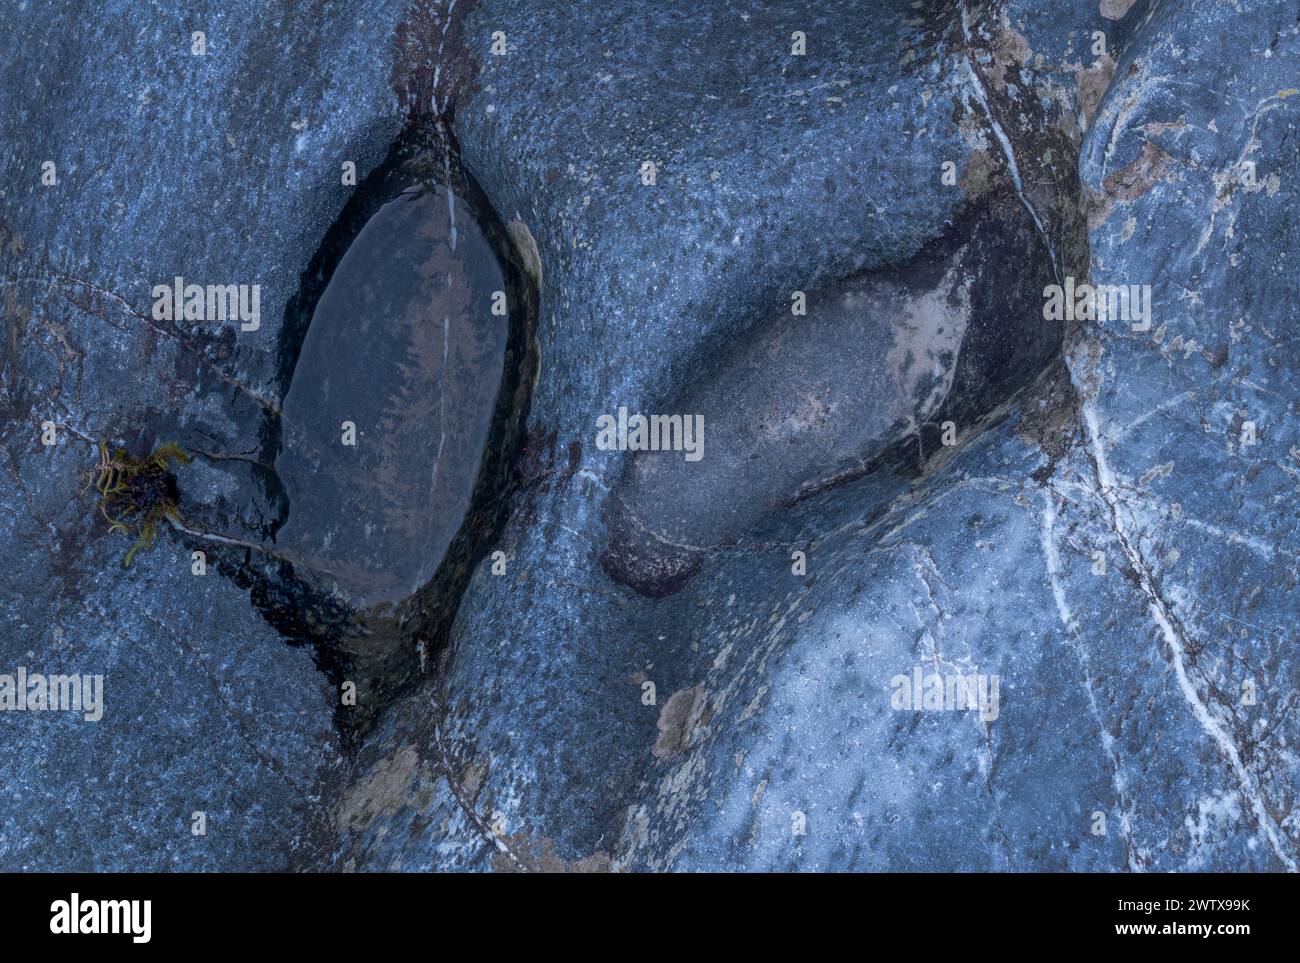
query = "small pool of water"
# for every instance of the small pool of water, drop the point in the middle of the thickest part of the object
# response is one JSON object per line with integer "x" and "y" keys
{"x": 391, "y": 401}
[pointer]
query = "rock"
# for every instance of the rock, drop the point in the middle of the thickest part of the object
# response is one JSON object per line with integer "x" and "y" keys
{"x": 634, "y": 291}
{"x": 223, "y": 168}
{"x": 1189, "y": 417}
{"x": 1010, "y": 558}
{"x": 1059, "y": 643}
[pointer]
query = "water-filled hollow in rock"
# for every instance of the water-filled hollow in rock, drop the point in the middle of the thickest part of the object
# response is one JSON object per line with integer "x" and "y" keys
{"x": 407, "y": 387}
{"x": 390, "y": 406}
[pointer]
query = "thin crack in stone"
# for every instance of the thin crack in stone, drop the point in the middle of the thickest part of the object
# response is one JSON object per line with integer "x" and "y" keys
{"x": 475, "y": 820}
{"x": 982, "y": 96}
{"x": 1165, "y": 620}
{"x": 1051, "y": 555}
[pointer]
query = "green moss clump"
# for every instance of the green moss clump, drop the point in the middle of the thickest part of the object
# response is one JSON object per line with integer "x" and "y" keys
{"x": 136, "y": 495}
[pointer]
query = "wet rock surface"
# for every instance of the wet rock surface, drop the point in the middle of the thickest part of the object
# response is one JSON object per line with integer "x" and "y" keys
{"x": 391, "y": 401}
{"x": 1112, "y": 532}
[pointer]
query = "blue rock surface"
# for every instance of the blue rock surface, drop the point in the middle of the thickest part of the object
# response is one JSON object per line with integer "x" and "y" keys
{"x": 1093, "y": 521}
{"x": 224, "y": 169}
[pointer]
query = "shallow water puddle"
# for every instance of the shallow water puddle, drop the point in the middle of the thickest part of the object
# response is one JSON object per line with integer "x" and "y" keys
{"x": 391, "y": 401}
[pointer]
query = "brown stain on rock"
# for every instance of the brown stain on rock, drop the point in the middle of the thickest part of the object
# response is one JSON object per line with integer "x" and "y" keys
{"x": 538, "y": 854}
{"x": 677, "y": 719}
{"x": 1115, "y": 9}
{"x": 1151, "y": 165}
{"x": 1091, "y": 84}
{"x": 385, "y": 790}
{"x": 426, "y": 43}
{"x": 979, "y": 174}
{"x": 1011, "y": 51}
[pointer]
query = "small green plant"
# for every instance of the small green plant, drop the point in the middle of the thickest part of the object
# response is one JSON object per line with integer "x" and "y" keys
{"x": 136, "y": 495}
